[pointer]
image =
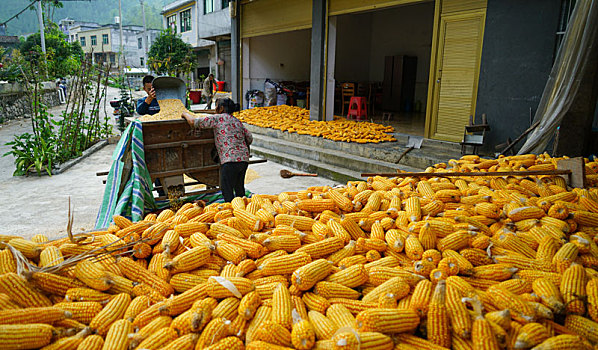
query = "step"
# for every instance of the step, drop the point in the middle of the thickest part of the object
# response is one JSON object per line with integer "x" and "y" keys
{"x": 334, "y": 173}
{"x": 327, "y": 156}
{"x": 432, "y": 151}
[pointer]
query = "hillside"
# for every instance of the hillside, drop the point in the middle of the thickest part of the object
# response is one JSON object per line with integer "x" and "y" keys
{"x": 100, "y": 11}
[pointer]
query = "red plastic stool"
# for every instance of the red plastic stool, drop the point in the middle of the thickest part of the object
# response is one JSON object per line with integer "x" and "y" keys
{"x": 358, "y": 108}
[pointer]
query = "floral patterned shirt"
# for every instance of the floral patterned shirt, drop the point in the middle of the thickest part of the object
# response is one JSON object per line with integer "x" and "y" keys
{"x": 231, "y": 137}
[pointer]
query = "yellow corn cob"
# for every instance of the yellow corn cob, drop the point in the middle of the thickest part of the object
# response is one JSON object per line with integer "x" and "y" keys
{"x": 342, "y": 202}
{"x": 114, "y": 310}
{"x": 459, "y": 315}
{"x": 323, "y": 327}
{"x": 573, "y": 289}
{"x": 549, "y": 294}
{"x": 387, "y": 320}
{"x": 249, "y": 305}
{"x": 282, "y": 306}
{"x": 159, "y": 339}
{"x": 227, "y": 309}
{"x": 438, "y": 317}
{"x": 340, "y": 316}
{"x": 253, "y": 250}
{"x": 351, "y": 277}
{"x": 215, "y": 330}
{"x": 91, "y": 342}
{"x": 273, "y": 333}
{"x": 150, "y": 328}
{"x": 117, "y": 337}
{"x": 362, "y": 340}
{"x": 285, "y": 264}
{"x": 315, "y": 302}
{"x": 421, "y": 297}
{"x": 331, "y": 290}
{"x": 592, "y": 292}
{"x": 187, "y": 342}
{"x": 395, "y": 286}
{"x": 189, "y": 260}
{"x": 504, "y": 299}
{"x": 465, "y": 267}
{"x": 133, "y": 271}
{"x": 25, "y": 336}
{"x": 217, "y": 290}
{"x": 289, "y": 243}
{"x": 530, "y": 335}
{"x": 322, "y": 248}
{"x": 307, "y": 276}
{"x": 30, "y": 249}
{"x": 303, "y": 336}
{"x": 338, "y": 231}
{"x": 413, "y": 248}
{"x": 413, "y": 208}
{"x": 136, "y": 306}
{"x": 20, "y": 292}
{"x": 562, "y": 342}
{"x": 564, "y": 257}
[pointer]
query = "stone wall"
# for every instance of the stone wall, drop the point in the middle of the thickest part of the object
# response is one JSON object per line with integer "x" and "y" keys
{"x": 15, "y": 102}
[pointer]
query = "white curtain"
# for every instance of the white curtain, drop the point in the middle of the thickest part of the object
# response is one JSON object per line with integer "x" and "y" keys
{"x": 566, "y": 75}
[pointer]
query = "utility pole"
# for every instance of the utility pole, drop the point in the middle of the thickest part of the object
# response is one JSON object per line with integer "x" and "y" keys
{"x": 40, "y": 17}
{"x": 145, "y": 39}
{"x": 120, "y": 23}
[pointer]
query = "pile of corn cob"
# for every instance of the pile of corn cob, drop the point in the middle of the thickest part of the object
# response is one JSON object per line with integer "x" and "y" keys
{"x": 296, "y": 119}
{"x": 387, "y": 263}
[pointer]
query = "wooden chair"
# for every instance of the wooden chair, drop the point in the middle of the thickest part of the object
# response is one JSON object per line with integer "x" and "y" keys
{"x": 348, "y": 91}
{"x": 474, "y": 135}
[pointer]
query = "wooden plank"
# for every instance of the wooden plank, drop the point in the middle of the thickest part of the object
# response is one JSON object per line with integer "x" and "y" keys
{"x": 577, "y": 168}
{"x": 184, "y": 171}
{"x": 183, "y": 144}
{"x": 479, "y": 173}
{"x": 192, "y": 193}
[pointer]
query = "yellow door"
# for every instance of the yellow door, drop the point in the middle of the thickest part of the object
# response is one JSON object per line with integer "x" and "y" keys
{"x": 457, "y": 68}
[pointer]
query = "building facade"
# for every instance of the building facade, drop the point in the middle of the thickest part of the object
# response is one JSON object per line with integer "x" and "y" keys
{"x": 103, "y": 44}
{"x": 474, "y": 57}
{"x": 206, "y": 26}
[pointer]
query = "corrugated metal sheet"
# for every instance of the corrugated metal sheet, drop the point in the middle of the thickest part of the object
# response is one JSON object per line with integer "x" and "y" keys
{"x": 274, "y": 16}
{"x": 451, "y": 6}
{"x": 339, "y": 7}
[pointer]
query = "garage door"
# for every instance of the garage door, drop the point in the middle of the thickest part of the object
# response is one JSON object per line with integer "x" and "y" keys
{"x": 274, "y": 16}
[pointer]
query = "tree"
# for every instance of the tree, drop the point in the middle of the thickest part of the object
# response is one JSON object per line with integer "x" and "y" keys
{"x": 169, "y": 54}
{"x": 63, "y": 58}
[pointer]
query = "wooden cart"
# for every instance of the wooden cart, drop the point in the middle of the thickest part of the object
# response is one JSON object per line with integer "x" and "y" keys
{"x": 172, "y": 150}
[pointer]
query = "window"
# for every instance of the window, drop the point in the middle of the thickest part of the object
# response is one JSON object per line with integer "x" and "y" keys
{"x": 566, "y": 11}
{"x": 72, "y": 38}
{"x": 208, "y": 6}
{"x": 94, "y": 40}
{"x": 225, "y": 3}
{"x": 186, "y": 21}
{"x": 105, "y": 39}
{"x": 171, "y": 22}
{"x": 139, "y": 43}
{"x": 82, "y": 41}
{"x": 112, "y": 58}
{"x": 141, "y": 59}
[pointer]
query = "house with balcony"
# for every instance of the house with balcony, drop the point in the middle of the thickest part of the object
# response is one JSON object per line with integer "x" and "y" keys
{"x": 205, "y": 25}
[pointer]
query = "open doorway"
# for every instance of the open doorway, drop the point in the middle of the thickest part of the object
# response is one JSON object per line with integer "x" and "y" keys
{"x": 384, "y": 55}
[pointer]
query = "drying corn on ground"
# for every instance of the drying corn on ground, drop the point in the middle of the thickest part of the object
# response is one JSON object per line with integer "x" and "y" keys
{"x": 296, "y": 119}
{"x": 387, "y": 263}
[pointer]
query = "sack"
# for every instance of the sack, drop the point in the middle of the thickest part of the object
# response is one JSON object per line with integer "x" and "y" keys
{"x": 270, "y": 93}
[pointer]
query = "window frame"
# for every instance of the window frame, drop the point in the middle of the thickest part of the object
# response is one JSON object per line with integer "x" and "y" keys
{"x": 140, "y": 43}
{"x": 185, "y": 18}
{"x": 171, "y": 22}
{"x": 105, "y": 39}
{"x": 93, "y": 40}
{"x": 82, "y": 41}
{"x": 205, "y": 6}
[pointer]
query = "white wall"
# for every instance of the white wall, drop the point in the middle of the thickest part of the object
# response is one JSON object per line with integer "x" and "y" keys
{"x": 405, "y": 30}
{"x": 283, "y": 56}
{"x": 363, "y": 40}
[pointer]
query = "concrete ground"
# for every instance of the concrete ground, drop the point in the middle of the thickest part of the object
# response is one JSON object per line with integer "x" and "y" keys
{"x": 39, "y": 205}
